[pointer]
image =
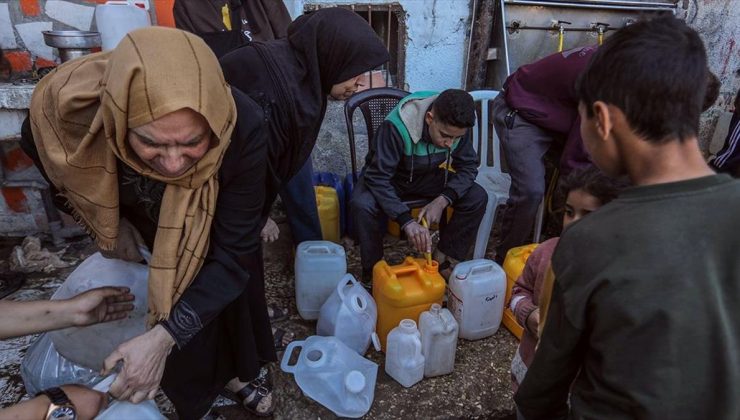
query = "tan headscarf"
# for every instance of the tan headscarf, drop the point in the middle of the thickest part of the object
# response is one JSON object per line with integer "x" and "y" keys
{"x": 81, "y": 114}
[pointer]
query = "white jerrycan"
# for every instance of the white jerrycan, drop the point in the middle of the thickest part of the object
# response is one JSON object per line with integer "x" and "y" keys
{"x": 319, "y": 266}
{"x": 116, "y": 18}
{"x": 403, "y": 359}
{"x": 438, "y": 330}
{"x": 333, "y": 375}
{"x": 89, "y": 346}
{"x": 476, "y": 297}
{"x": 350, "y": 314}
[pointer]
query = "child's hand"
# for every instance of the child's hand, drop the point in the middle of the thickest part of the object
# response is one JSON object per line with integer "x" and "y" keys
{"x": 533, "y": 321}
{"x": 103, "y": 304}
{"x": 270, "y": 231}
{"x": 88, "y": 403}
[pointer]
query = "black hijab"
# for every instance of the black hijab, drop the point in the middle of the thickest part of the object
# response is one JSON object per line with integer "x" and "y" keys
{"x": 292, "y": 77}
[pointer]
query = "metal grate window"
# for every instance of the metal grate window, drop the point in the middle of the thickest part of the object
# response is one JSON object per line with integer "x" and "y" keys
{"x": 388, "y": 22}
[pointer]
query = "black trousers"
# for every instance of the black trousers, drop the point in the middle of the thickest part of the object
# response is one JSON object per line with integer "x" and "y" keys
{"x": 456, "y": 238}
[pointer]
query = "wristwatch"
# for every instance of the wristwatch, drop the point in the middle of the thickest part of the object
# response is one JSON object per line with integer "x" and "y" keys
{"x": 61, "y": 408}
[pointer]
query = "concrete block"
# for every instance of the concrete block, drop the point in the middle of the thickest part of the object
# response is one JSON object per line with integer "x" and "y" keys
{"x": 34, "y": 40}
{"x": 30, "y": 7}
{"x": 15, "y": 96}
{"x": 21, "y": 212}
{"x": 10, "y": 123}
{"x": 20, "y": 61}
{"x": 7, "y": 37}
{"x": 74, "y": 15}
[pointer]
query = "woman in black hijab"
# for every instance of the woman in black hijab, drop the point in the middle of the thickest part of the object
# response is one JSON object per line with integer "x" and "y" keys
{"x": 323, "y": 56}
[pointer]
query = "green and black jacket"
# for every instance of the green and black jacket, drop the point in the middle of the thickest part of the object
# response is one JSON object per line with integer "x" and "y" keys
{"x": 403, "y": 163}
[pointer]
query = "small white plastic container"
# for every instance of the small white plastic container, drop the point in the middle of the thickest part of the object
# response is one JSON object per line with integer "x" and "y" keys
{"x": 333, "y": 375}
{"x": 438, "y": 330}
{"x": 116, "y": 18}
{"x": 476, "y": 296}
{"x": 350, "y": 315}
{"x": 403, "y": 359}
{"x": 319, "y": 267}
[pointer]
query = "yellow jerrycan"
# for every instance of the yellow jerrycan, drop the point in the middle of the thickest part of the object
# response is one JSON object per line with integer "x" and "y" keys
{"x": 327, "y": 202}
{"x": 404, "y": 291}
{"x": 514, "y": 264}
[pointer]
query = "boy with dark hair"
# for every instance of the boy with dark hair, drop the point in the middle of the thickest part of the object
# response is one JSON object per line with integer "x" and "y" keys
{"x": 422, "y": 150}
{"x": 642, "y": 320}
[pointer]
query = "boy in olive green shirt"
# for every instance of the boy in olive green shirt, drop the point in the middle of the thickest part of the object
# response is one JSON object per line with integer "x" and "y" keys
{"x": 643, "y": 318}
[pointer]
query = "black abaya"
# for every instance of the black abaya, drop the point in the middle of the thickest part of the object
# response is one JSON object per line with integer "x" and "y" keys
{"x": 292, "y": 77}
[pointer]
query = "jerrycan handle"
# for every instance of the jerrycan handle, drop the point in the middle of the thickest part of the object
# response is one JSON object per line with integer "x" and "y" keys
{"x": 405, "y": 269}
{"x": 286, "y": 356}
{"x": 482, "y": 267}
{"x": 318, "y": 249}
{"x": 347, "y": 279}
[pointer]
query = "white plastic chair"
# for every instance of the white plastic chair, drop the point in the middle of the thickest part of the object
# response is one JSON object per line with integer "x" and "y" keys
{"x": 491, "y": 178}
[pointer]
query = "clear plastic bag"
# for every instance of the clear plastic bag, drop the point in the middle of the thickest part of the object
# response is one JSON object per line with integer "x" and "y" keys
{"x": 117, "y": 410}
{"x": 89, "y": 346}
{"x": 43, "y": 367}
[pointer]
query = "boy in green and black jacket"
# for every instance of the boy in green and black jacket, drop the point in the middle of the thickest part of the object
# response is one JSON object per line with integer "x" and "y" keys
{"x": 423, "y": 150}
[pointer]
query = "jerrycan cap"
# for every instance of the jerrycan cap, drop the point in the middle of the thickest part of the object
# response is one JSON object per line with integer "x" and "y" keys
{"x": 436, "y": 307}
{"x": 376, "y": 341}
{"x": 431, "y": 268}
{"x": 407, "y": 325}
{"x": 461, "y": 276}
{"x": 354, "y": 382}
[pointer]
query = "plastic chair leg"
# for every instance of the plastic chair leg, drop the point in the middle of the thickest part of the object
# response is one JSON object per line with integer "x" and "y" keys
{"x": 484, "y": 230}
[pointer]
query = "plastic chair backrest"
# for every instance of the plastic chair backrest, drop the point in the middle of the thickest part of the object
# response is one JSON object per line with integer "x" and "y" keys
{"x": 375, "y": 105}
{"x": 480, "y": 130}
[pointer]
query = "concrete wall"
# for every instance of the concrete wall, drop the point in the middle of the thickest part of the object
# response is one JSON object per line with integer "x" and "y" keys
{"x": 436, "y": 43}
{"x": 21, "y": 23}
{"x": 718, "y": 23}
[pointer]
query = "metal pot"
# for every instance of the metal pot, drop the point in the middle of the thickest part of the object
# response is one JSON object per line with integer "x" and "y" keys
{"x": 72, "y": 44}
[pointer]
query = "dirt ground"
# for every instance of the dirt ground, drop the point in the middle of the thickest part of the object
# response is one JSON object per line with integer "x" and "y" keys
{"x": 478, "y": 388}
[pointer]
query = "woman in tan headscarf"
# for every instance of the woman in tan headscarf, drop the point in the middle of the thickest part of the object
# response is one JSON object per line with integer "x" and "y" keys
{"x": 144, "y": 146}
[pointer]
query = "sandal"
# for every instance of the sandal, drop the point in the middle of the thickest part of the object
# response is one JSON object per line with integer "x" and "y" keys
{"x": 279, "y": 335}
{"x": 213, "y": 415}
{"x": 277, "y": 313}
{"x": 256, "y": 395}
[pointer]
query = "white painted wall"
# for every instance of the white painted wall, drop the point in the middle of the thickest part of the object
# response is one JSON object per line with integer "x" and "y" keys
{"x": 437, "y": 39}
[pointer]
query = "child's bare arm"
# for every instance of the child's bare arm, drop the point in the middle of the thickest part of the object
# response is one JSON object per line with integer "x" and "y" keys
{"x": 91, "y": 307}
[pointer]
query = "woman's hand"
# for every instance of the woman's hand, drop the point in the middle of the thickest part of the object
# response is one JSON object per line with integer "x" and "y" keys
{"x": 143, "y": 360}
{"x": 103, "y": 304}
{"x": 129, "y": 241}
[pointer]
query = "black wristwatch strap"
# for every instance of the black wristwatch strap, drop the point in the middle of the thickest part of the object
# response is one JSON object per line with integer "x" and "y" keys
{"x": 57, "y": 396}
